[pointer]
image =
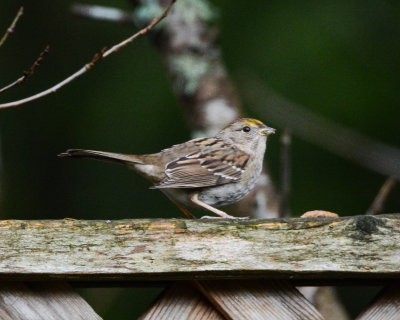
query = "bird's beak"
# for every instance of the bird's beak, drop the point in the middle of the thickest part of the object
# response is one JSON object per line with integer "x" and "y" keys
{"x": 267, "y": 131}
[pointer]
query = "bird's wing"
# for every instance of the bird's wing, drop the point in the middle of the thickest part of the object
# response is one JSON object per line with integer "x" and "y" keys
{"x": 214, "y": 164}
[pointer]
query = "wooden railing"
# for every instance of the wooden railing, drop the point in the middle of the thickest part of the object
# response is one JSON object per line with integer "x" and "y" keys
{"x": 241, "y": 269}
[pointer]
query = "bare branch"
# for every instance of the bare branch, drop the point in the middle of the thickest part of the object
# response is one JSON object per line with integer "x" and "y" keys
{"x": 286, "y": 142}
{"x": 379, "y": 201}
{"x": 141, "y": 32}
{"x": 102, "y": 13}
{"x": 327, "y": 134}
{"x": 191, "y": 52}
{"x": 29, "y": 73}
{"x": 11, "y": 28}
{"x": 97, "y": 58}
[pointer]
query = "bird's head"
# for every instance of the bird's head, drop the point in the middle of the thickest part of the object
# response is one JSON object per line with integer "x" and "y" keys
{"x": 246, "y": 133}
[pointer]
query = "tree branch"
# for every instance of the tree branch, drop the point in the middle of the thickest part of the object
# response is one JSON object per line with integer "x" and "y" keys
{"x": 29, "y": 73}
{"x": 11, "y": 28}
{"x": 379, "y": 201}
{"x": 327, "y": 134}
{"x": 189, "y": 47}
{"x": 97, "y": 58}
{"x": 286, "y": 142}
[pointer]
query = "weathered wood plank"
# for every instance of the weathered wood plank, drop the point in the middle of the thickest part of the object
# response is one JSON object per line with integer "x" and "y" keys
{"x": 386, "y": 305}
{"x": 59, "y": 301}
{"x": 258, "y": 300}
{"x": 355, "y": 247}
{"x": 327, "y": 302}
{"x": 182, "y": 302}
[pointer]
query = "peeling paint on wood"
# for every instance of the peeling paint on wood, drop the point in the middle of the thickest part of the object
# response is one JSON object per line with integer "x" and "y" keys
{"x": 144, "y": 249}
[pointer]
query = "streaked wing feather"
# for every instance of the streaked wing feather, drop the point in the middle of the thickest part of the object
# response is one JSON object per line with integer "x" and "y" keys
{"x": 214, "y": 164}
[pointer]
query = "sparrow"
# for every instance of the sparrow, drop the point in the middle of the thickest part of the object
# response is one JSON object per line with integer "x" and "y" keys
{"x": 203, "y": 173}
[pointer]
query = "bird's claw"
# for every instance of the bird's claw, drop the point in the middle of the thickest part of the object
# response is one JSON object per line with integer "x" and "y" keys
{"x": 210, "y": 217}
{"x": 227, "y": 217}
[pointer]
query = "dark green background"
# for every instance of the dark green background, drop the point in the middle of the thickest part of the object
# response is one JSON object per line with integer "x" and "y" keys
{"x": 340, "y": 59}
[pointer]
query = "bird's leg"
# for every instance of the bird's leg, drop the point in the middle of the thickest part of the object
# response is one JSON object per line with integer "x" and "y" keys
{"x": 195, "y": 199}
{"x": 185, "y": 211}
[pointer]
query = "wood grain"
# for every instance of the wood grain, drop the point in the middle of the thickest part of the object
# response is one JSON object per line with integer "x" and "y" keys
{"x": 182, "y": 302}
{"x": 360, "y": 247}
{"x": 386, "y": 305}
{"x": 327, "y": 302}
{"x": 57, "y": 301}
{"x": 258, "y": 300}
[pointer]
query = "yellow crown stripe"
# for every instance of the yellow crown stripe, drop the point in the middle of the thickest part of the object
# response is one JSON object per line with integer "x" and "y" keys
{"x": 254, "y": 122}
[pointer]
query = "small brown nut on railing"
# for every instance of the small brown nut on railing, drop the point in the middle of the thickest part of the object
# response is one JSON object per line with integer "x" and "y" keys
{"x": 319, "y": 214}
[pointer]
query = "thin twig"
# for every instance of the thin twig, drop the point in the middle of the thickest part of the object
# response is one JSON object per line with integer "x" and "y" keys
{"x": 102, "y": 13}
{"x": 379, "y": 201}
{"x": 97, "y": 58}
{"x": 286, "y": 142}
{"x": 27, "y": 74}
{"x": 11, "y": 28}
{"x": 323, "y": 132}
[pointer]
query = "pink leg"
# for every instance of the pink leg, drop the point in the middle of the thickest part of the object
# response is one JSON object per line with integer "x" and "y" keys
{"x": 195, "y": 200}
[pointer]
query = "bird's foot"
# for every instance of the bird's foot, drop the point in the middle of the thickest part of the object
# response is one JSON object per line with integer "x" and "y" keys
{"x": 225, "y": 217}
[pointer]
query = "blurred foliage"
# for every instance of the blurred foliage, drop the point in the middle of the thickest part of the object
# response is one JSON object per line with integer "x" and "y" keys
{"x": 338, "y": 58}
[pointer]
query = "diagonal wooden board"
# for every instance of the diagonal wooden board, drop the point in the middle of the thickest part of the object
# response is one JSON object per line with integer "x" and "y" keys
{"x": 327, "y": 302}
{"x": 50, "y": 301}
{"x": 182, "y": 301}
{"x": 234, "y": 300}
{"x": 258, "y": 300}
{"x": 385, "y": 306}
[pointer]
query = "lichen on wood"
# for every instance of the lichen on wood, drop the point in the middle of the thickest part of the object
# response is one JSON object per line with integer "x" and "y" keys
{"x": 155, "y": 249}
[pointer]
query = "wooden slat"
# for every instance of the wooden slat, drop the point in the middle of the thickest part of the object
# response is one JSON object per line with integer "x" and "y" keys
{"x": 386, "y": 305}
{"x": 19, "y": 301}
{"x": 358, "y": 247}
{"x": 327, "y": 302}
{"x": 257, "y": 300}
{"x": 182, "y": 302}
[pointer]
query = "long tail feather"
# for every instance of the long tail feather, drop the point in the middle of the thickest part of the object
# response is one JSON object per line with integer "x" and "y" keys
{"x": 100, "y": 155}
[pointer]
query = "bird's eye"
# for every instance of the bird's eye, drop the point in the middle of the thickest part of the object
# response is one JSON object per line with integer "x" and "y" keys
{"x": 246, "y": 129}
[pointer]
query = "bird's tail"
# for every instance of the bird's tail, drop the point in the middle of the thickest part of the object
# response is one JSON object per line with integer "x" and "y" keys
{"x": 101, "y": 155}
